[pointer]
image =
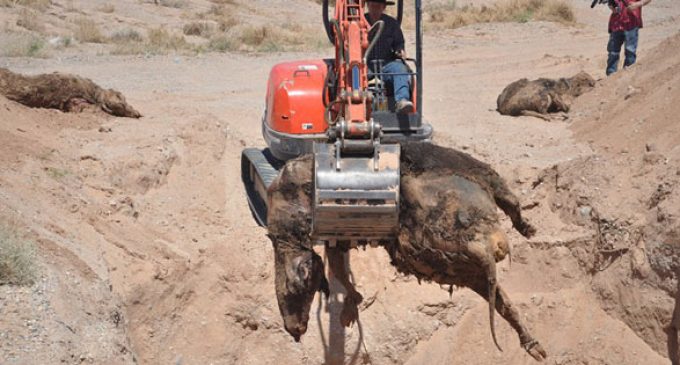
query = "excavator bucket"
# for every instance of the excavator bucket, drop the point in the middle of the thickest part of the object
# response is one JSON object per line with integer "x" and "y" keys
{"x": 356, "y": 198}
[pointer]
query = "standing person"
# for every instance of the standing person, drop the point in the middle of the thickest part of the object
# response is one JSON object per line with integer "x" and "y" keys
{"x": 624, "y": 24}
{"x": 390, "y": 49}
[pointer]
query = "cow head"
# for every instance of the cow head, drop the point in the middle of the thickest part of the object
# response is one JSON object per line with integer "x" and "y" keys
{"x": 114, "y": 103}
{"x": 299, "y": 275}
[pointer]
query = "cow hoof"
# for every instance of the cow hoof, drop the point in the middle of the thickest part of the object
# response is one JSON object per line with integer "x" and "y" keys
{"x": 527, "y": 230}
{"x": 535, "y": 350}
{"x": 350, "y": 309}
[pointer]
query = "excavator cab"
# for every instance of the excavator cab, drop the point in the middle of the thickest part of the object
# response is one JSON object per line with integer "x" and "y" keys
{"x": 332, "y": 109}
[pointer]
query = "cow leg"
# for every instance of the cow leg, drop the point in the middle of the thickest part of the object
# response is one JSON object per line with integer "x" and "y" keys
{"x": 509, "y": 204}
{"x": 336, "y": 263}
{"x": 560, "y": 104}
{"x": 531, "y": 113}
{"x": 505, "y": 308}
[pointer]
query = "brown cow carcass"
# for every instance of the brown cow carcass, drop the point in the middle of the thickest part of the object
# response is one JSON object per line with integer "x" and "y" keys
{"x": 64, "y": 92}
{"x": 449, "y": 234}
{"x": 539, "y": 98}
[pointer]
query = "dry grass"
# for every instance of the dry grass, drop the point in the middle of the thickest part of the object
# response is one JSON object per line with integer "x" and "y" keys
{"x": 107, "y": 8}
{"x": 448, "y": 15}
{"x": 157, "y": 41}
{"x": 35, "y": 4}
{"x": 217, "y": 11}
{"x": 249, "y": 38}
{"x": 17, "y": 258}
{"x": 87, "y": 31}
{"x": 227, "y": 22}
{"x": 22, "y": 45}
{"x": 28, "y": 19}
{"x": 224, "y": 18}
{"x": 223, "y": 43}
{"x": 161, "y": 39}
{"x": 203, "y": 29}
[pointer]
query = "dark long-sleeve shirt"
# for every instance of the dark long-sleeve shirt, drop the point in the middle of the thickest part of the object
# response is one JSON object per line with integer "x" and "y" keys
{"x": 391, "y": 40}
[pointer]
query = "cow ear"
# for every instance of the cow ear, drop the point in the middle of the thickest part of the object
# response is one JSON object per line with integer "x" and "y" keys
{"x": 324, "y": 287}
{"x": 304, "y": 271}
{"x": 293, "y": 271}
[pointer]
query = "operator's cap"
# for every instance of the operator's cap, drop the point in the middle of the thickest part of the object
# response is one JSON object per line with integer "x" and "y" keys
{"x": 381, "y": 1}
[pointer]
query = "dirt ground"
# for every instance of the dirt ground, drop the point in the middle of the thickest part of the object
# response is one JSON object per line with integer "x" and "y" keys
{"x": 148, "y": 252}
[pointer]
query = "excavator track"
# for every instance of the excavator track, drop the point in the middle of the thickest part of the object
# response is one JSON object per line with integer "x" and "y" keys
{"x": 259, "y": 168}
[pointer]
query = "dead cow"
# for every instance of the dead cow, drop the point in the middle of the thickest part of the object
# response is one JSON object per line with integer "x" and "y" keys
{"x": 449, "y": 234}
{"x": 299, "y": 271}
{"x": 540, "y": 97}
{"x": 64, "y": 92}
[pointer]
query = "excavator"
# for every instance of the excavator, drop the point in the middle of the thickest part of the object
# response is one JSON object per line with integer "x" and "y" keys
{"x": 344, "y": 115}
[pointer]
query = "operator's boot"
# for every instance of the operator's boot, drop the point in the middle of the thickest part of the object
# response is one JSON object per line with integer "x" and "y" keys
{"x": 404, "y": 106}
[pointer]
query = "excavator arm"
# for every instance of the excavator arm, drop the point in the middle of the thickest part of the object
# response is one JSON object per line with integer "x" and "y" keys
{"x": 356, "y": 178}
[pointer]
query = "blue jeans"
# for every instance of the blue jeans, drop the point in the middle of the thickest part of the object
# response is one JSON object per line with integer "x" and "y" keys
{"x": 400, "y": 83}
{"x": 616, "y": 39}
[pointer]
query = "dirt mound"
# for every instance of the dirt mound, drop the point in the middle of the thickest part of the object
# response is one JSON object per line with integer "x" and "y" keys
{"x": 637, "y": 106}
{"x": 70, "y": 314}
{"x": 624, "y": 197}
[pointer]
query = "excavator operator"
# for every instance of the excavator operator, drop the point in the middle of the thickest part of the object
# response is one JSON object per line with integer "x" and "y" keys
{"x": 390, "y": 49}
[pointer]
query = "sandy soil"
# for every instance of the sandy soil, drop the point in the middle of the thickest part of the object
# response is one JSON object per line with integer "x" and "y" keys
{"x": 148, "y": 252}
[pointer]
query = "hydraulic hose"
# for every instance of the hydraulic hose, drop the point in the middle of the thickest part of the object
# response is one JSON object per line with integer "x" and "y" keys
{"x": 381, "y": 26}
{"x": 327, "y": 114}
{"x": 339, "y": 35}
{"x": 326, "y": 23}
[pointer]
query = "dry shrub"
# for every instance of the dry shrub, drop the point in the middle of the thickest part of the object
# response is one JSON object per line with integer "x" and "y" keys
{"x": 230, "y": 35}
{"x": 449, "y": 15}
{"x": 292, "y": 37}
{"x": 222, "y": 2}
{"x": 223, "y": 43}
{"x": 134, "y": 48}
{"x": 177, "y": 4}
{"x": 557, "y": 11}
{"x": 28, "y": 19}
{"x": 22, "y": 45}
{"x": 126, "y": 36}
{"x": 87, "y": 31}
{"x": 17, "y": 258}
{"x": 224, "y": 18}
{"x": 161, "y": 38}
{"x": 198, "y": 29}
{"x": 107, "y": 8}
{"x": 227, "y": 22}
{"x": 218, "y": 10}
{"x": 255, "y": 36}
{"x": 157, "y": 41}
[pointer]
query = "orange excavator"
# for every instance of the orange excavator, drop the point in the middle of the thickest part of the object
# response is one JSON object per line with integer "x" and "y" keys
{"x": 345, "y": 116}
